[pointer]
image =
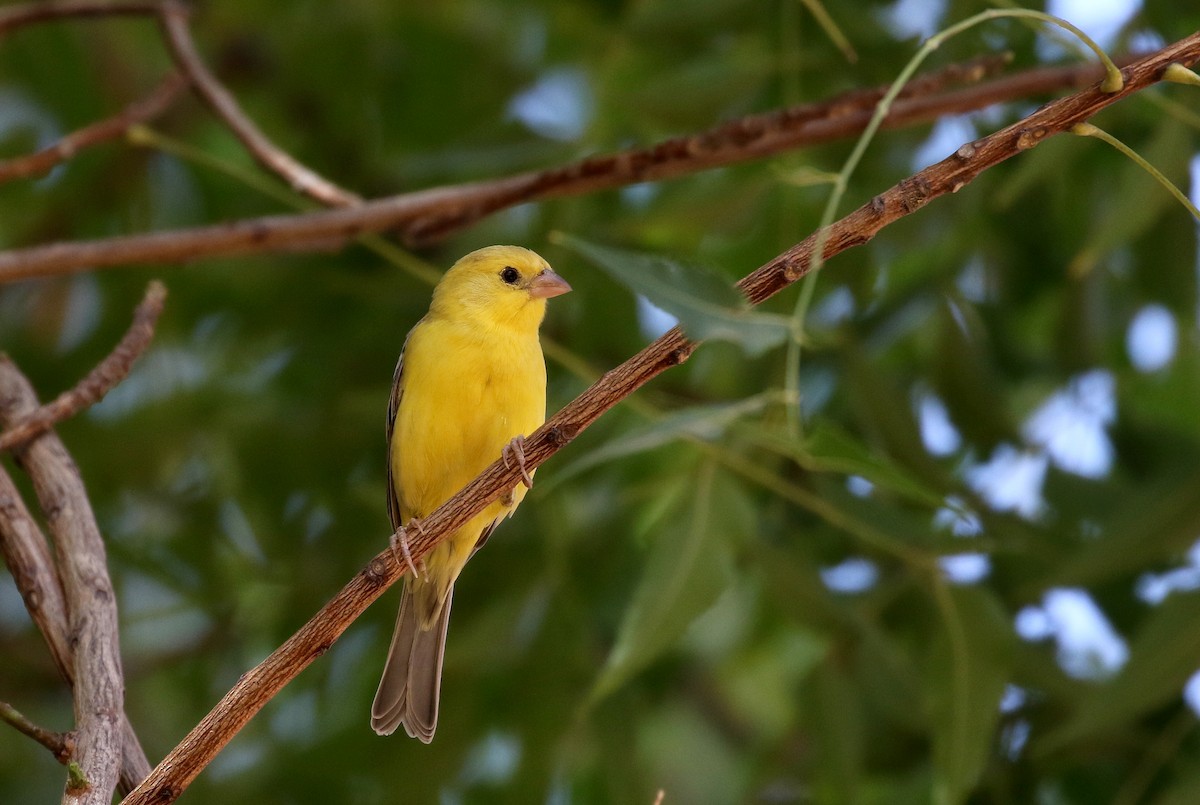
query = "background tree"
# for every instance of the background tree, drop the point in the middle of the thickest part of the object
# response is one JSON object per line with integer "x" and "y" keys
{"x": 963, "y": 567}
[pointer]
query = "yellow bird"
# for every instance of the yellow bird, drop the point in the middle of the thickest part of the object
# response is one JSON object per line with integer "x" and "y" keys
{"x": 471, "y": 382}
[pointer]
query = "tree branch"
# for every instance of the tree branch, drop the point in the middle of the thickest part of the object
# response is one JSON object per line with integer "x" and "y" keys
{"x": 27, "y": 555}
{"x": 25, "y": 551}
{"x": 22, "y": 543}
{"x": 139, "y": 111}
{"x": 258, "y": 685}
{"x": 59, "y": 744}
{"x": 424, "y": 214}
{"x": 17, "y": 16}
{"x": 108, "y": 373}
{"x": 174, "y": 19}
{"x": 102, "y": 743}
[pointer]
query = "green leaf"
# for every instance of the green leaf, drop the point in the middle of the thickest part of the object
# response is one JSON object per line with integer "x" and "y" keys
{"x": 1150, "y": 524}
{"x": 706, "y": 422}
{"x": 1185, "y": 788}
{"x": 884, "y": 413}
{"x": 970, "y": 662}
{"x": 707, "y": 306}
{"x": 831, "y": 449}
{"x": 835, "y": 709}
{"x": 688, "y": 568}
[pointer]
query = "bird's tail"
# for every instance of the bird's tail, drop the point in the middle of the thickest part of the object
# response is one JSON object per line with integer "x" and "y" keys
{"x": 412, "y": 676}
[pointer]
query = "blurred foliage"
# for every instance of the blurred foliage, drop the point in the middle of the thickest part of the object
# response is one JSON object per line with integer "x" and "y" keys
{"x": 966, "y": 572}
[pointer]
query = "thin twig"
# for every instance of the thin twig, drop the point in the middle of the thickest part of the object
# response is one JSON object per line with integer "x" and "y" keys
{"x": 60, "y": 744}
{"x": 424, "y": 214}
{"x": 101, "y": 380}
{"x": 139, "y": 111}
{"x": 14, "y": 17}
{"x": 262, "y": 682}
{"x": 174, "y": 18}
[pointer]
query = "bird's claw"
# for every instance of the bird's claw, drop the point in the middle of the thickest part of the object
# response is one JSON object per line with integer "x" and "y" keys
{"x": 514, "y": 451}
{"x": 400, "y": 550}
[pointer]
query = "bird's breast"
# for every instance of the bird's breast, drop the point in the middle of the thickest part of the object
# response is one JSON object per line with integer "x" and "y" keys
{"x": 464, "y": 399}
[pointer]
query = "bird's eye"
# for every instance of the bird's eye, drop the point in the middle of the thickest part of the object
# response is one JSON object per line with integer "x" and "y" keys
{"x": 510, "y": 275}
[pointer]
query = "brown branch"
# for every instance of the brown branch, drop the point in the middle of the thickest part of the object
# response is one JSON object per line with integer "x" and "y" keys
{"x": 60, "y": 744}
{"x": 258, "y": 685}
{"x": 102, "y": 744}
{"x": 27, "y": 555}
{"x": 139, "y": 111}
{"x": 22, "y": 543}
{"x": 101, "y": 380}
{"x": 174, "y": 19}
{"x": 25, "y": 551}
{"x": 762, "y": 135}
{"x": 14, "y": 17}
{"x": 437, "y": 211}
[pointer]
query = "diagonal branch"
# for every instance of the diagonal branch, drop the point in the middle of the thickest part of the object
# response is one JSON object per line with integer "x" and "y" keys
{"x": 98, "y": 382}
{"x": 139, "y": 111}
{"x": 174, "y": 19}
{"x": 259, "y": 684}
{"x": 437, "y": 211}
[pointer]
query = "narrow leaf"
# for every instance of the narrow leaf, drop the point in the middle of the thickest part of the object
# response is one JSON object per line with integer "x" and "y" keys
{"x": 830, "y": 449}
{"x": 688, "y": 568}
{"x": 707, "y": 422}
{"x": 970, "y": 665}
{"x": 707, "y": 306}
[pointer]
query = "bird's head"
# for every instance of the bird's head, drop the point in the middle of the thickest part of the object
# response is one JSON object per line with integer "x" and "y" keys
{"x": 500, "y": 286}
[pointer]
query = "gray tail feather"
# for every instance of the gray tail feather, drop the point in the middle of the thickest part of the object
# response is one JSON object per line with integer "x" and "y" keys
{"x": 412, "y": 676}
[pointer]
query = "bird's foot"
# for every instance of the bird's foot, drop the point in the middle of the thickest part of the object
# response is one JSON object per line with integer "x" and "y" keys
{"x": 400, "y": 550}
{"x": 514, "y": 452}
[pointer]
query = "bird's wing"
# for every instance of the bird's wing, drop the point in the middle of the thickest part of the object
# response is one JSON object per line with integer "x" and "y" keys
{"x": 393, "y": 503}
{"x": 483, "y": 538}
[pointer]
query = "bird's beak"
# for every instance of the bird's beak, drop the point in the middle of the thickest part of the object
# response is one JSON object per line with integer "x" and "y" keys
{"x": 548, "y": 284}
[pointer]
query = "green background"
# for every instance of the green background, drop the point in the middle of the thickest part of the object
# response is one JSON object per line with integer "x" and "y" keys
{"x": 665, "y": 610}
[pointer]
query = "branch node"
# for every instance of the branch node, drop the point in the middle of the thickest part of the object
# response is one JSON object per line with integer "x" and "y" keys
{"x": 558, "y": 436}
{"x": 914, "y": 193}
{"x": 680, "y": 354}
{"x": 1028, "y": 138}
{"x": 376, "y": 572}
